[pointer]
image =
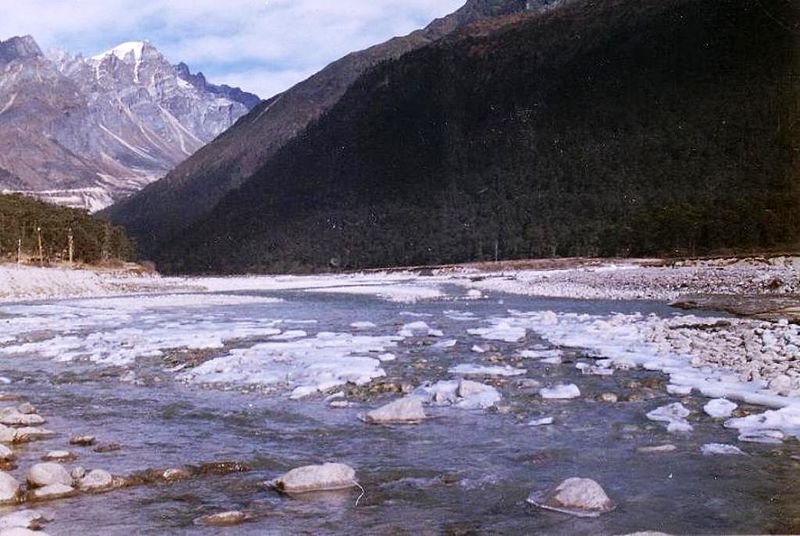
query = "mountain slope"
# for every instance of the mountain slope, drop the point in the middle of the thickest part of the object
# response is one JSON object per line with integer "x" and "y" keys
{"x": 189, "y": 192}
{"x": 87, "y": 131}
{"x": 606, "y": 127}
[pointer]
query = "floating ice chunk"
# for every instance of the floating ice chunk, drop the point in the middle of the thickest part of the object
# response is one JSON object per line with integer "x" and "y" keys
{"x": 720, "y": 448}
{"x": 772, "y": 426}
{"x": 560, "y": 392}
{"x": 362, "y": 325}
{"x": 674, "y": 415}
{"x": 719, "y": 408}
{"x": 289, "y": 335}
{"x": 544, "y": 421}
{"x": 435, "y": 333}
{"x": 479, "y": 370}
{"x": 413, "y": 328}
{"x": 386, "y": 357}
{"x": 461, "y": 316}
{"x": 541, "y": 354}
{"x": 551, "y": 360}
{"x": 463, "y": 394}
{"x": 500, "y": 331}
{"x": 478, "y": 349}
{"x": 450, "y": 343}
{"x": 679, "y": 390}
{"x": 406, "y": 410}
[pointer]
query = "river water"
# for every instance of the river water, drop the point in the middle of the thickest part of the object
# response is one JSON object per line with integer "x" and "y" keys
{"x": 459, "y": 472}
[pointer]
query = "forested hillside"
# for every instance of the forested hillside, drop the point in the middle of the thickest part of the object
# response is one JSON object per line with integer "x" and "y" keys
{"x": 24, "y": 219}
{"x": 604, "y": 127}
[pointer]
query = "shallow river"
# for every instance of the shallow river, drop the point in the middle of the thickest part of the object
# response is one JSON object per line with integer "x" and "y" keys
{"x": 460, "y": 472}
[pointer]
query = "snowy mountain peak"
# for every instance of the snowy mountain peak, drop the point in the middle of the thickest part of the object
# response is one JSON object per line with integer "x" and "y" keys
{"x": 131, "y": 50}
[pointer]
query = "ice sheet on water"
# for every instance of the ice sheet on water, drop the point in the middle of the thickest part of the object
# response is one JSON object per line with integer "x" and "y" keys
{"x": 303, "y": 366}
{"x": 720, "y": 408}
{"x": 467, "y": 369}
{"x": 674, "y": 415}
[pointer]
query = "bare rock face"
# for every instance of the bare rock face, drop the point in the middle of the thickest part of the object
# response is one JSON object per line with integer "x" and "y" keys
{"x": 580, "y": 497}
{"x": 406, "y": 410}
{"x": 85, "y": 131}
{"x": 325, "y": 477}
{"x": 48, "y": 473}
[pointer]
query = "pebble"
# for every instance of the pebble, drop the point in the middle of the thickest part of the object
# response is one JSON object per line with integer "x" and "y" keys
{"x": 608, "y": 397}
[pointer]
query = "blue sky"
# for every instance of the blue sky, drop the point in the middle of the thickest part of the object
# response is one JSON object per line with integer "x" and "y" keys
{"x": 261, "y": 46}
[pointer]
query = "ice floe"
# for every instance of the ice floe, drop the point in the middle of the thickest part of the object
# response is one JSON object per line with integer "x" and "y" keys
{"x": 560, "y": 392}
{"x": 674, "y": 416}
{"x": 463, "y": 394}
{"x": 467, "y": 369}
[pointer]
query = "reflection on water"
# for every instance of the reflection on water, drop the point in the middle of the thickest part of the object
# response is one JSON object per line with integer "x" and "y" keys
{"x": 459, "y": 472}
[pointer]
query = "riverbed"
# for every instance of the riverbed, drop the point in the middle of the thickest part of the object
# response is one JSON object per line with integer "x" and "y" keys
{"x": 251, "y": 377}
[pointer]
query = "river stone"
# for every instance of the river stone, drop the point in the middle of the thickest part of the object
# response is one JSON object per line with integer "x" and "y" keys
{"x": 26, "y": 408}
{"x": 26, "y": 519}
{"x": 607, "y": 397}
{"x": 580, "y": 497}
{"x": 560, "y": 392}
{"x": 657, "y": 448}
{"x": 7, "y": 434}
{"x": 325, "y": 477}
{"x": 77, "y": 473}
{"x": 172, "y": 475}
{"x": 31, "y": 433}
{"x": 48, "y": 473}
{"x": 9, "y": 489}
{"x": 82, "y": 441}
{"x": 12, "y": 417}
{"x": 224, "y": 519}
{"x": 53, "y": 491}
{"x": 58, "y": 455}
{"x": 6, "y": 454}
{"x": 406, "y": 410}
{"x": 96, "y": 480}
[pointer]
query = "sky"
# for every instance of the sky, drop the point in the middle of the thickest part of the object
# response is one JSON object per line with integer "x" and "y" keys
{"x": 263, "y": 46}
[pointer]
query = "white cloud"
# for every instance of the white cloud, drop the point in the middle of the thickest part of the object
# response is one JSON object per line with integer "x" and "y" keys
{"x": 266, "y": 45}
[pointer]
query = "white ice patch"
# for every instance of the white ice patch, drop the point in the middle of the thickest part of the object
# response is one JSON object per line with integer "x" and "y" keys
{"x": 394, "y": 293}
{"x": 500, "y": 331}
{"x": 305, "y": 366}
{"x": 418, "y": 328}
{"x": 772, "y": 426}
{"x": 541, "y": 354}
{"x": 560, "y": 392}
{"x": 479, "y": 370}
{"x": 449, "y": 343}
{"x": 460, "y": 316}
{"x": 674, "y": 415}
{"x": 362, "y": 325}
{"x": 719, "y": 408}
{"x": 544, "y": 421}
{"x": 462, "y": 394}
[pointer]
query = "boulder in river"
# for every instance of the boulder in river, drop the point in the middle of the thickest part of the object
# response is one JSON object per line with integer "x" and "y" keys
{"x": 406, "y": 410}
{"x": 9, "y": 489}
{"x": 58, "y": 456}
{"x": 48, "y": 473}
{"x": 325, "y": 477}
{"x": 82, "y": 441}
{"x": 96, "y": 480}
{"x": 580, "y": 497}
{"x": 12, "y": 417}
{"x": 22, "y": 519}
{"x": 51, "y": 492}
{"x": 6, "y": 454}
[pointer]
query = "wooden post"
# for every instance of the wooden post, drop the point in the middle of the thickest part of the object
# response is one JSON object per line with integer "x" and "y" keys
{"x": 41, "y": 251}
{"x": 19, "y": 251}
{"x": 71, "y": 245}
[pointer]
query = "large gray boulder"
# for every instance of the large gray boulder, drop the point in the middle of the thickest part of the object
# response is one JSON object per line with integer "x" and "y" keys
{"x": 47, "y": 474}
{"x": 580, "y": 497}
{"x": 325, "y": 477}
{"x": 406, "y": 410}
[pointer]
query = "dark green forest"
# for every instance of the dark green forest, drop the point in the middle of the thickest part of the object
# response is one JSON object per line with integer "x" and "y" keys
{"x": 93, "y": 240}
{"x": 602, "y": 128}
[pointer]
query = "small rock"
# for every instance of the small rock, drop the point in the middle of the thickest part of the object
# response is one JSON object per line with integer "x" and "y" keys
{"x": 607, "y": 397}
{"x": 108, "y": 447}
{"x": 544, "y": 421}
{"x": 325, "y": 477}
{"x": 720, "y": 448}
{"x": 46, "y": 474}
{"x": 657, "y": 448}
{"x": 339, "y": 404}
{"x": 173, "y": 475}
{"x": 580, "y": 497}
{"x": 82, "y": 441}
{"x": 77, "y": 473}
{"x": 224, "y": 519}
{"x": 96, "y": 480}
{"x": 9, "y": 489}
{"x": 53, "y": 491}
{"x": 26, "y": 408}
{"x": 58, "y": 456}
{"x": 406, "y": 410}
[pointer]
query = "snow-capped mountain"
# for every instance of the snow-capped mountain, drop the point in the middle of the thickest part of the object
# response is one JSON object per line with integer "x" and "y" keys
{"x": 88, "y": 131}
